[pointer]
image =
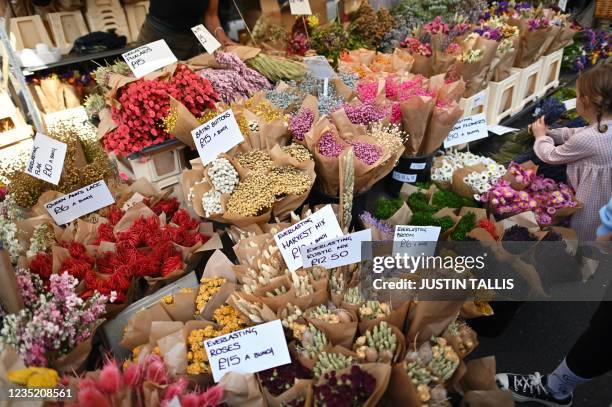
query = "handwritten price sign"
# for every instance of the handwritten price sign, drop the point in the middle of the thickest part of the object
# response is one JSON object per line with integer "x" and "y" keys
{"x": 88, "y": 199}
{"x": 47, "y": 159}
{"x": 216, "y": 136}
{"x": 467, "y": 129}
{"x": 148, "y": 58}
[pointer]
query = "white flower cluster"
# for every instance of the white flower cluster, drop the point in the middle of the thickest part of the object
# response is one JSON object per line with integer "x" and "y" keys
{"x": 38, "y": 241}
{"x": 223, "y": 175}
{"x": 479, "y": 181}
{"x": 9, "y": 213}
{"x": 211, "y": 202}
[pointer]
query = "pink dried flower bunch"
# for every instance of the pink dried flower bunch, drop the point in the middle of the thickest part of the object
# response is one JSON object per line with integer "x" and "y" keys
{"x": 437, "y": 26}
{"x": 364, "y": 113}
{"x": 453, "y": 49}
{"x": 54, "y": 321}
{"x": 113, "y": 387}
{"x": 543, "y": 196}
{"x": 300, "y": 123}
{"x": 329, "y": 146}
{"x": 417, "y": 47}
{"x": 366, "y": 152}
{"x": 235, "y": 80}
{"x": 144, "y": 104}
{"x": 367, "y": 91}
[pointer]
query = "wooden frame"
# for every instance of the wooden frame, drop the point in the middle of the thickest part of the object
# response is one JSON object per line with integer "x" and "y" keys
{"x": 67, "y": 26}
{"x": 136, "y": 14}
{"x": 27, "y": 32}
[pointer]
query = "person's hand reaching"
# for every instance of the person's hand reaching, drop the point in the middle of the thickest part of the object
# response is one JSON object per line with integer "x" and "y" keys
{"x": 538, "y": 128}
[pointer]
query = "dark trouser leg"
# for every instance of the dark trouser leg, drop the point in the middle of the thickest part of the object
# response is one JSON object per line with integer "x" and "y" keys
{"x": 184, "y": 46}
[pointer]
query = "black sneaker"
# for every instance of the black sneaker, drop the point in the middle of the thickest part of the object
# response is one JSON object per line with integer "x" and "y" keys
{"x": 530, "y": 388}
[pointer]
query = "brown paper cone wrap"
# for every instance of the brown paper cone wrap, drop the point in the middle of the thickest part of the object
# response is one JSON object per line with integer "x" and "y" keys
{"x": 503, "y": 62}
{"x": 475, "y": 74}
{"x": 430, "y": 318}
{"x": 185, "y": 123}
{"x": 243, "y": 390}
{"x": 10, "y": 296}
{"x": 182, "y": 307}
{"x": 459, "y": 186}
{"x": 422, "y": 65}
{"x": 402, "y": 216}
{"x": 400, "y": 350}
{"x": 301, "y": 388}
{"x": 472, "y": 309}
{"x": 479, "y": 375}
{"x": 327, "y": 168}
{"x": 341, "y": 334}
{"x": 456, "y": 342}
{"x": 138, "y": 327}
{"x": 441, "y": 123}
{"x": 416, "y": 114}
{"x": 564, "y": 38}
{"x": 488, "y": 398}
{"x": 532, "y": 44}
{"x": 380, "y": 371}
{"x": 401, "y": 391}
{"x": 397, "y": 317}
{"x": 75, "y": 360}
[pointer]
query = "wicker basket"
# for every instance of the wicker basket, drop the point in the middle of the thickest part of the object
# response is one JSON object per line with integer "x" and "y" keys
{"x": 603, "y": 9}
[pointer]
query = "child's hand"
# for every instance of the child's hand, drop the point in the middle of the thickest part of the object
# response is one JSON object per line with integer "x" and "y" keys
{"x": 538, "y": 128}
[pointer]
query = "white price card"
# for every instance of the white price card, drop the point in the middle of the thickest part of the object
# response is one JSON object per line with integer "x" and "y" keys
{"x": 321, "y": 225}
{"x": 467, "y": 129}
{"x": 300, "y": 7}
{"x": 249, "y": 350}
{"x": 418, "y": 166}
{"x": 563, "y": 4}
{"x": 208, "y": 41}
{"x": 416, "y": 240}
{"x": 335, "y": 252}
{"x": 319, "y": 67}
{"x": 500, "y": 130}
{"x": 570, "y": 104}
{"x": 216, "y": 136}
{"x": 401, "y": 177}
{"x": 149, "y": 57}
{"x": 479, "y": 99}
{"x": 46, "y": 159}
{"x": 88, "y": 199}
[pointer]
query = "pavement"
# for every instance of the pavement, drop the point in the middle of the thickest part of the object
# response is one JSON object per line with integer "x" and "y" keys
{"x": 538, "y": 338}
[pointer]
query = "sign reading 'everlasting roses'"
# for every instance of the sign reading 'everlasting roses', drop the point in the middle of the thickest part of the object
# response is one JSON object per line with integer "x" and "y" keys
{"x": 148, "y": 58}
{"x": 216, "y": 136}
{"x": 86, "y": 200}
{"x": 249, "y": 350}
{"x": 47, "y": 159}
{"x": 467, "y": 129}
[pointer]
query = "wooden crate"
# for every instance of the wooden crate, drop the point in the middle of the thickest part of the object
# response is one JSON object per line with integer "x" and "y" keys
{"x": 136, "y": 14}
{"x": 603, "y": 9}
{"x": 550, "y": 71}
{"x": 104, "y": 15}
{"x": 67, "y": 26}
{"x": 529, "y": 79}
{"x": 503, "y": 97}
{"x": 474, "y": 104}
{"x": 162, "y": 167}
{"x": 27, "y": 32}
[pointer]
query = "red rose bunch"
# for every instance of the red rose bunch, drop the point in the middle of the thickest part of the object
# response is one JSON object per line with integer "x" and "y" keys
{"x": 143, "y": 104}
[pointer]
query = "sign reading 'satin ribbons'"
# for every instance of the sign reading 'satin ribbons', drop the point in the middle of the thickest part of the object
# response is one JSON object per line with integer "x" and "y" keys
{"x": 88, "y": 199}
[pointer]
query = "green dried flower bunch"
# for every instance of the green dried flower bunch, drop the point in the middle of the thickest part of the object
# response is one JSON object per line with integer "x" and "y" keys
{"x": 331, "y": 361}
{"x": 427, "y": 219}
{"x": 103, "y": 73}
{"x": 385, "y": 208}
{"x": 26, "y": 189}
{"x": 377, "y": 345}
{"x": 444, "y": 359}
{"x": 301, "y": 285}
{"x": 277, "y": 291}
{"x": 312, "y": 342}
{"x": 445, "y": 198}
{"x": 465, "y": 225}
{"x": 330, "y": 315}
{"x": 374, "y": 310}
{"x": 353, "y": 296}
{"x": 337, "y": 284}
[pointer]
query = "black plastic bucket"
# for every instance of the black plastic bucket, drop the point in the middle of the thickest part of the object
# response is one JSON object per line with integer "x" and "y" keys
{"x": 408, "y": 171}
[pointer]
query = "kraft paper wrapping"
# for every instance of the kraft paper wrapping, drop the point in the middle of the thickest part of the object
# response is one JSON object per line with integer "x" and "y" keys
{"x": 397, "y": 317}
{"x": 243, "y": 390}
{"x": 341, "y": 333}
{"x": 441, "y": 123}
{"x": 503, "y": 62}
{"x": 532, "y": 44}
{"x": 475, "y": 74}
{"x": 10, "y": 294}
{"x": 382, "y": 374}
{"x": 416, "y": 114}
{"x": 301, "y": 388}
{"x": 430, "y": 318}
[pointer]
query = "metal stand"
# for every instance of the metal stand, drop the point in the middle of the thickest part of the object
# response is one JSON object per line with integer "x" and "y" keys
{"x": 17, "y": 74}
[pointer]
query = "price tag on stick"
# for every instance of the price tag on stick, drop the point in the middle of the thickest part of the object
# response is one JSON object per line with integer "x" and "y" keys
{"x": 321, "y": 225}
{"x": 467, "y": 129}
{"x": 216, "y": 136}
{"x": 148, "y": 58}
{"x": 208, "y": 41}
{"x": 249, "y": 350}
{"x": 319, "y": 67}
{"x": 336, "y": 252}
{"x": 47, "y": 159}
{"x": 86, "y": 200}
{"x": 300, "y": 7}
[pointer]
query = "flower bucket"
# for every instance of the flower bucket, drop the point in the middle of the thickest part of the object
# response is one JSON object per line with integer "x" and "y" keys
{"x": 408, "y": 171}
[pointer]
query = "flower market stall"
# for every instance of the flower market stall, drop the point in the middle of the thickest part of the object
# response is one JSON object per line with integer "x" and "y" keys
{"x": 205, "y": 232}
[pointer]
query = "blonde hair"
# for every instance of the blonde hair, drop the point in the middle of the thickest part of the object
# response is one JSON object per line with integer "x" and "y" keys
{"x": 596, "y": 84}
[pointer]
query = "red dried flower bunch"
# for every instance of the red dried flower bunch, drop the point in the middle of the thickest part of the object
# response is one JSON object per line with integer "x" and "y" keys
{"x": 146, "y": 249}
{"x": 143, "y": 105}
